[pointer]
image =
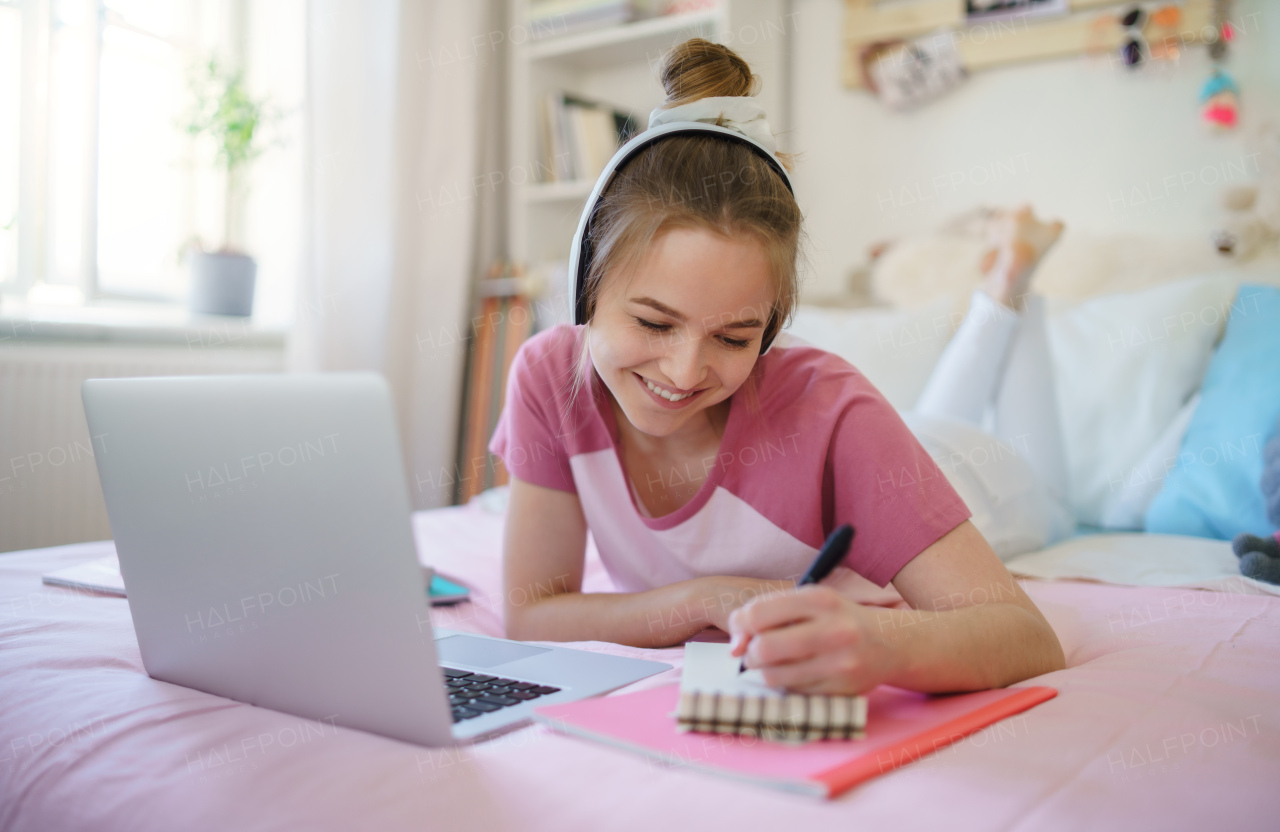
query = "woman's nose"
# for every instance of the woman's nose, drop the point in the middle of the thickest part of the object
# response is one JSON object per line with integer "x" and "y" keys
{"x": 683, "y": 364}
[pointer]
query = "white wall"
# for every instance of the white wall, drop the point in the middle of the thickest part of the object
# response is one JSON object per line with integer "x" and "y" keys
{"x": 1084, "y": 139}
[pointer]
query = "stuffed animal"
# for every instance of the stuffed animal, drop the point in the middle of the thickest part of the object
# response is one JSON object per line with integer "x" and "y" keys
{"x": 1254, "y": 221}
{"x": 1260, "y": 556}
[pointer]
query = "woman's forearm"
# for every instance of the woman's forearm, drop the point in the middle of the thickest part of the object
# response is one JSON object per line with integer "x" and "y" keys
{"x": 657, "y": 617}
{"x": 970, "y": 648}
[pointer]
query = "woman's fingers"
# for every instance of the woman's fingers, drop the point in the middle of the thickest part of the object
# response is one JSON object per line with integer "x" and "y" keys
{"x": 830, "y": 673}
{"x": 814, "y": 641}
{"x": 775, "y": 611}
{"x": 802, "y": 640}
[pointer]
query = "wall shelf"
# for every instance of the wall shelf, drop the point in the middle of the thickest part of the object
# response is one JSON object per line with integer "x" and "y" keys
{"x": 613, "y": 45}
{"x": 995, "y": 43}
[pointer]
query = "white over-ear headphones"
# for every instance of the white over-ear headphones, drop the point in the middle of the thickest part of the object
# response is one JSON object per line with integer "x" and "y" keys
{"x": 581, "y": 253}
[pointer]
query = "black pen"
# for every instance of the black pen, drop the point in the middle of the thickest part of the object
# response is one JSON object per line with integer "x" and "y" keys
{"x": 829, "y": 557}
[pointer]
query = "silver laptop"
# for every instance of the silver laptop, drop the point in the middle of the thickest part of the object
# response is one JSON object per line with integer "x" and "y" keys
{"x": 262, "y": 525}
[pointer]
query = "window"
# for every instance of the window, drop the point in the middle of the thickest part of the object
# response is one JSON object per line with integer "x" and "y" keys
{"x": 146, "y": 190}
{"x": 100, "y": 188}
{"x": 10, "y": 107}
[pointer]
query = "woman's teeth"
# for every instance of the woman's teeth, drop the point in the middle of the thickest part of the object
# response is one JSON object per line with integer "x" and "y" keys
{"x": 666, "y": 394}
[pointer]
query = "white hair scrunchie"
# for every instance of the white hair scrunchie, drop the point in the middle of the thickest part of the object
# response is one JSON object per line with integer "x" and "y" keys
{"x": 741, "y": 114}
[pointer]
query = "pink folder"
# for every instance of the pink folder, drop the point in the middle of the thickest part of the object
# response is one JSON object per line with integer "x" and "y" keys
{"x": 902, "y": 726}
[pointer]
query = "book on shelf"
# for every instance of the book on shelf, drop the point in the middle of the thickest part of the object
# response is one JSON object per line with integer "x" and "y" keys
{"x": 502, "y": 320}
{"x": 554, "y": 18}
{"x": 579, "y": 137}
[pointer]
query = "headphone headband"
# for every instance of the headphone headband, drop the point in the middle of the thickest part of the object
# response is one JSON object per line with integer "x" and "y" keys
{"x": 581, "y": 254}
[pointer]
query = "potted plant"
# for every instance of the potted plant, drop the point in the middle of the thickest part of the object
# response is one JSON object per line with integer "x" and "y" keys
{"x": 223, "y": 112}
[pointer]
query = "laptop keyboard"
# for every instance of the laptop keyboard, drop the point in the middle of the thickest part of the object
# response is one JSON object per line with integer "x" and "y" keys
{"x": 475, "y": 694}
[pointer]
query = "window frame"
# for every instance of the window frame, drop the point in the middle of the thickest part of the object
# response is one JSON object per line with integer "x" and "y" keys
{"x": 34, "y": 261}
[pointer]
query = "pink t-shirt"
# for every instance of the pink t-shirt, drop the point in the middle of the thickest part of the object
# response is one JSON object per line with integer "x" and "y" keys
{"x": 825, "y": 448}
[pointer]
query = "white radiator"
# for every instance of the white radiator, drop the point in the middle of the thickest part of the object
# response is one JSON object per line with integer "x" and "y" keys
{"x": 49, "y": 491}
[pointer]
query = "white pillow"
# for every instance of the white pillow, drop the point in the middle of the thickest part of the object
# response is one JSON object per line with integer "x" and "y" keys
{"x": 894, "y": 348}
{"x": 1144, "y": 560}
{"x": 1124, "y": 366}
{"x": 1126, "y": 507}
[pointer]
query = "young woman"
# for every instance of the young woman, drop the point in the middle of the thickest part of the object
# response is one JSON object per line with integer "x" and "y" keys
{"x": 709, "y": 464}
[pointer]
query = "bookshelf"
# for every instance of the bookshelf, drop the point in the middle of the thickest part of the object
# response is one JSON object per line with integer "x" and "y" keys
{"x": 616, "y": 65}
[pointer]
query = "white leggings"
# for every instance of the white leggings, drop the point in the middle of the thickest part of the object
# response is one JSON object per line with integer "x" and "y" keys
{"x": 989, "y": 418}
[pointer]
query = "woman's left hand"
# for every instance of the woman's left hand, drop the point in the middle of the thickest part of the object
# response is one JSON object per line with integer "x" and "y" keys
{"x": 815, "y": 641}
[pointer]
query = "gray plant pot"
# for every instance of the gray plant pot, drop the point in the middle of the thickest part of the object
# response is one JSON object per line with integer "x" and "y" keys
{"x": 222, "y": 283}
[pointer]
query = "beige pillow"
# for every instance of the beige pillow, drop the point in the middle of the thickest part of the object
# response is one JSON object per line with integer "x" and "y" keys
{"x": 916, "y": 270}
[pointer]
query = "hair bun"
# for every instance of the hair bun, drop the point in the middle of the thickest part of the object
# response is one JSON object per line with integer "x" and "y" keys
{"x": 699, "y": 68}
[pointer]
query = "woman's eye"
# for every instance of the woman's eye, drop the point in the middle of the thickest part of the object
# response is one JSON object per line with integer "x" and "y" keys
{"x": 731, "y": 343}
{"x": 652, "y": 326}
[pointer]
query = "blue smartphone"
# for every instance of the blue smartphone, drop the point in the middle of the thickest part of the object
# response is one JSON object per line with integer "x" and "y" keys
{"x": 443, "y": 592}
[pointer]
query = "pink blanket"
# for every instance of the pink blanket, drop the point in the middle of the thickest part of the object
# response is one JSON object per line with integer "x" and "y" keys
{"x": 1168, "y": 717}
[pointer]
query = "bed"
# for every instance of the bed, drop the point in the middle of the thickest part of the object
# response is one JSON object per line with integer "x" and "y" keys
{"x": 1168, "y": 716}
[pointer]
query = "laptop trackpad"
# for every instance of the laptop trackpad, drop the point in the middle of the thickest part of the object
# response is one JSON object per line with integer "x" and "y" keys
{"x": 483, "y": 652}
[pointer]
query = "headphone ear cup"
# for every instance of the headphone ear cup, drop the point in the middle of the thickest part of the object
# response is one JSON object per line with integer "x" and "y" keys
{"x": 579, "y": 284}
{"x": 579, "y": 262}
{"x": 765, "y": 345}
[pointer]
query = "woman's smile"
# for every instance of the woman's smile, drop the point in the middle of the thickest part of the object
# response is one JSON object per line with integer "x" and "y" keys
{"x": 666, "y": 396}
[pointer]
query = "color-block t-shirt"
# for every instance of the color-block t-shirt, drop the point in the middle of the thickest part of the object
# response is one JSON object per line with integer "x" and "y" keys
{"x": 823, "y": 448}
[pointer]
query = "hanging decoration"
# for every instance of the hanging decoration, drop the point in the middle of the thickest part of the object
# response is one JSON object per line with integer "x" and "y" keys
{"x": 1219, "y": 100}
{"x": 1220, "y": 97}
{"x": 906, "y": 74}
{"x": 1136, "y": 46}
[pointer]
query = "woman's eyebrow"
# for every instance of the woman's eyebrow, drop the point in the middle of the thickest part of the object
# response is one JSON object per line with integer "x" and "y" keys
{"x": 660, "y": 306}
{"x": 749, "y": 323}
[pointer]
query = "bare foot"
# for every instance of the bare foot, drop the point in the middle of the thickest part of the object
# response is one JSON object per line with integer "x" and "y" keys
{"x": 1018, "y": 243}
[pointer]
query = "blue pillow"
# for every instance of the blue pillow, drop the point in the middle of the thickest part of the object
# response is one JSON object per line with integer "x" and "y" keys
{"x": 1214, "y": 489}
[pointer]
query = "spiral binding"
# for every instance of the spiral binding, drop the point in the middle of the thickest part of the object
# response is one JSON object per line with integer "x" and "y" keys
{"x": 791, "y": 717}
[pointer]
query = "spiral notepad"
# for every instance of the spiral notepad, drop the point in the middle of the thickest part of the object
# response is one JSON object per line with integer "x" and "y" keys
{"x": 716, "y": 698}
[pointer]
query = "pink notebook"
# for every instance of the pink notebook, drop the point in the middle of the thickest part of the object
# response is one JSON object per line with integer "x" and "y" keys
{"x": 902, "y": 726}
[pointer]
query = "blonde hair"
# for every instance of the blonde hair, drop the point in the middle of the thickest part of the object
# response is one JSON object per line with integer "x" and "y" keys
{"x": 700, "y": 182}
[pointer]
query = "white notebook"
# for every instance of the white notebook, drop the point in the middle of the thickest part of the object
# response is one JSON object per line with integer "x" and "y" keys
{"x": 716, "y": 698}
{"x": 101, "y": 575}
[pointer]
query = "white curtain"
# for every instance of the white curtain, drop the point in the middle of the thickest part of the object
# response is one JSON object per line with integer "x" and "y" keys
{"x": 404, "y": 119}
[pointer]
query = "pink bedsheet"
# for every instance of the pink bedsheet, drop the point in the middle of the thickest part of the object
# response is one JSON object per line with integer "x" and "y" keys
{"x": 1168, "y": 717}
